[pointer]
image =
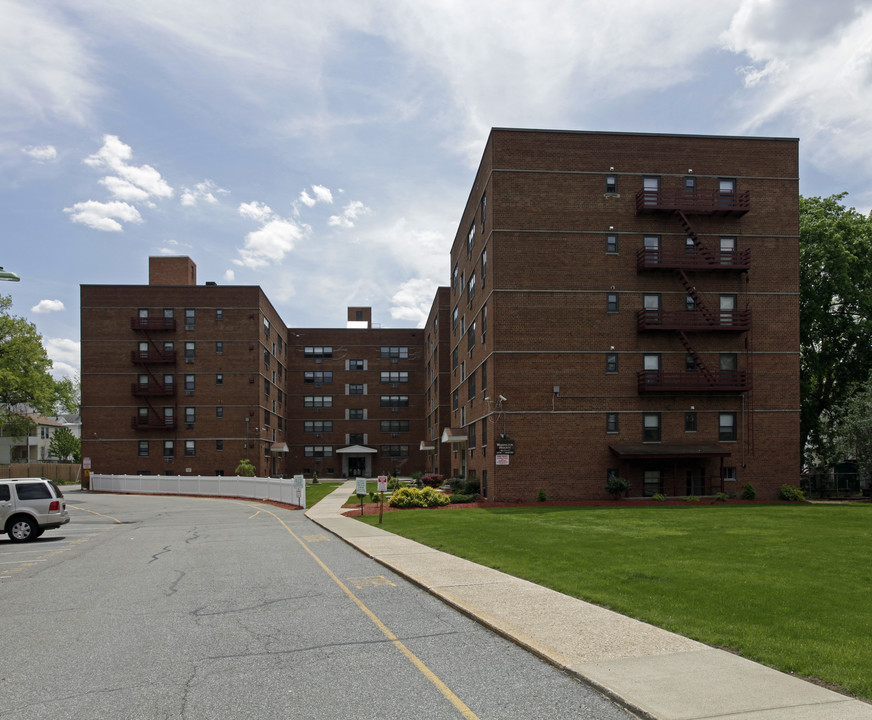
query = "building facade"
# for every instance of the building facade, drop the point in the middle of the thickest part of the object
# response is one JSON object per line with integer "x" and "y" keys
{"x": 618, "y": 304}
{"x": 627, "y": 304}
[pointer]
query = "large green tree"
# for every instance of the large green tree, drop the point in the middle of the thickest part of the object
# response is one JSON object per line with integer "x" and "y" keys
{"x": 835, "y": 318}
{"x": 24, "y": 370}
{"x": 64, "y": 444}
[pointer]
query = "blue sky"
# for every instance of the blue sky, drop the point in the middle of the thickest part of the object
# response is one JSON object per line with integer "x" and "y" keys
{"x": 326, "y": 153}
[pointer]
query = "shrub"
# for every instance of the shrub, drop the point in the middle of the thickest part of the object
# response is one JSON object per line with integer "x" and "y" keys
{"x": 374, "y": 496}
{"x": 408, "y": 497}
{"x": 458, "y": 498}
{"x": 791, "y": 493}
{"x": 617, "y": 486}
{"x": 393, "y": 482}
{"x": 659, "y": 497}
{"x": 245, "y": 468}
{"x": 748, "y": 492}
{"x": 433, "y": 480}
{"x": 541, "y": 497}
{"x": 469, "y": 487}
{"x": 721, "y": 497}
{"x": 416, "y": 476}
{"x": 691, "y": 498}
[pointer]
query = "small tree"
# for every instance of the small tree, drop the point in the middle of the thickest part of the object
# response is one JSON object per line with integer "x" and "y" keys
{"x": 64, "y": 444}
{"x": 616, "y": 486}
{"x": 245, "y": 468}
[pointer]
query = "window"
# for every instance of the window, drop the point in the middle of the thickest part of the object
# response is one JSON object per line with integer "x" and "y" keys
{"x": 470, "y": 241}
{"x": 356, "y": 389}
{"x": 190, "y": 318}
{"x": 455, "y": 400}
{"x": 651, "y": 427}
{"x": 689, "y": 303}
{"x": 394, "y": 426}
{"x": 190, "y": 448}
{"x": 470, "y": 293}
{"x": 470, "y": 337}
{"x": 728, "y": 250}
{"x": 169, "y": 448}
{"x": 730, "y": 473}
{"x": 690, "y": 363}
{"x": 190, "y": 352}
{"x": 219, "y": 348}
{"x": 190, "y": 415}
{"x": 483, "y": 321}
{"x": 454, "y": 280}
{"x": 651, "y": 302}
{"x": 219, "y": 445}
{"x": 611, "y": 422}
{"x": 484, "y": 375}
{"x": 219, "y": 314}
{"x": 611, "y": 363}
{"x": 651, "y": 190}
{"x": 483, "y": 265}
{"x": 611, "y": 243}
{"x": 727, "y": 427}
{"x": 219, "y": 411}
{"x": 651, "y": 363}
{"x": 266, "y": 358}
{"x": 266, "y": 418}
{"x": 318, "y": 426}
{"x": 652, "y": 483}
{"x": 726, "y": 190}
{"x": 690, "y": 422}
{"x": 611, "y": 183}
{"x": 651, "y": 247}
{"x": 690, "y": 186}
{"x": 394, "y": 451}
{"x": 318, "y": 377}
{"x": 219, "y": 379}
{"x": 401, "y": 353}
{"x": 168, "y": 313}
{"x": 470, "y": 384}
{"x": 357, "y": 365}
{"x": 358, "y": 315}
{"x": 393, "y": 376}
{"x": 690, "y": 245}
{"x": 319, "y": 352}
{"x": 143, "y": 448}
{"x": 728, "y": 304}
{"x": 394, "y": 401}
{"x": 470, "y": 433}
{"x": 266, "y": 327}
{"x": 612, "y": 302}
{"x": 483, "y": 210}
{"x": 190, "y": 383}
{"x": 318, "y": 451}
{"x": 454, "y": 359}
{"x": 484, "y": 432}
{"x": 142, "y": 313}
{"x": 728, "y": 365}
{"x": 355, "y": 414}
{"x": 454, "y": 317}
{"x": 318, "y": 401}
{"x": 356, "y": 438}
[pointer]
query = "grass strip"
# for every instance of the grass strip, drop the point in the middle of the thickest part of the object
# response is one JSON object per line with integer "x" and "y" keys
{"x": 785, "y": 585}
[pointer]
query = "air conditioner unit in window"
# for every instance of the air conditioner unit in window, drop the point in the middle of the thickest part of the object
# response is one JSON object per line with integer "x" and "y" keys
{"x": 318, "y": 361}
{"x": 189, "y": 426}
{"x": 394, "y": 361}
{"x": 395, "y": 434}
{"x": 168, "y": 458}
{"x": 395, "y": 409}
{"x": 189, "y": 392}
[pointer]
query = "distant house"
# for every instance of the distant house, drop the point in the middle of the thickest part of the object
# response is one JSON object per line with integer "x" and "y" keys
{"x": 30, "y": 448}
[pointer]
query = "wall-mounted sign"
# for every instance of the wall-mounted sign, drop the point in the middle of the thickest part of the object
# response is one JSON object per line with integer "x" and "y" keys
{"x": 502, "y": 459}
{"x": 505, "y": 447}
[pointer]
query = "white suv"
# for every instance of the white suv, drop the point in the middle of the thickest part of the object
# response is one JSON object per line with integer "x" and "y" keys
{"x": 29, "y": 507}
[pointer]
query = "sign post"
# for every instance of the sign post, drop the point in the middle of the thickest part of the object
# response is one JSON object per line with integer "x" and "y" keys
{"x": 300, "y": 488}
{"x": 361, "y": 491}
{"x": 382, "y": 486}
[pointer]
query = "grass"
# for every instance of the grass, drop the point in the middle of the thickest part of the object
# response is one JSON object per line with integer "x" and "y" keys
{"x": 786, "y": 585}
{"x": 314, "y": 493}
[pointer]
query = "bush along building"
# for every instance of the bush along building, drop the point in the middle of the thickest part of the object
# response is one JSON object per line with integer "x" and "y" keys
{"x": 618, "y": 304}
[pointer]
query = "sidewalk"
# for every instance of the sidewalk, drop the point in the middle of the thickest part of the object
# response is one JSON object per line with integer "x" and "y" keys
{"x": 654, "y": 673}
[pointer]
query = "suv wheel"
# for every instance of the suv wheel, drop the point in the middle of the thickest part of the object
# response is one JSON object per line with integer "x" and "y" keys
{"x": 22, "y": 529}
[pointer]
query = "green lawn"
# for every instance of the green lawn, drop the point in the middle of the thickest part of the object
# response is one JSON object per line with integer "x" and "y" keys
{"x": 314, "y": 493}
{"x": 787, "y": 585}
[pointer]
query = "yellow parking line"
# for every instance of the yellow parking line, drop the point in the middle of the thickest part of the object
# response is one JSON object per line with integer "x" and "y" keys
{"x": 93, "y": 512}
{"x": 410, "y": 656}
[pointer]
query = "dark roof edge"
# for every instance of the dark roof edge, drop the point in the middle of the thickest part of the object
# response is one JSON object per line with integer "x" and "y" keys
{"x": 644, "y": 134}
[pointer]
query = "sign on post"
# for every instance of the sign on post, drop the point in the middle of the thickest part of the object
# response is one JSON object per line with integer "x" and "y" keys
{"x": 361, "y": 486}
{"x": 300, "y": 490}
{"x": 382, "y": 483}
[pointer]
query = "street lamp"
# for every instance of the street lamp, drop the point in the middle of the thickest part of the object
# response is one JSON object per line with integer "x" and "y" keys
{"x": 8, "y": 275}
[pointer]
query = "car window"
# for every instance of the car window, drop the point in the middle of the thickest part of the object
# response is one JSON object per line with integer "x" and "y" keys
{"x": 32, "y": 491}
{"x": 4, "y": 492}
{"x": 57, "y": 490}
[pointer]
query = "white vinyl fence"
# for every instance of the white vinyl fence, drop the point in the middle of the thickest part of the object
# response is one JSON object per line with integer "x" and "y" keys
{"x": 285, "y": 490}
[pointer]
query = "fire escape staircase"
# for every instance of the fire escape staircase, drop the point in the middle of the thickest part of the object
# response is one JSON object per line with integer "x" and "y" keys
{"x": 155, "y": 387}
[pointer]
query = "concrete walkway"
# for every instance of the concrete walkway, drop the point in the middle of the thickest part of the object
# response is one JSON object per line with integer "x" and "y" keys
{"x": 654, "y": 673}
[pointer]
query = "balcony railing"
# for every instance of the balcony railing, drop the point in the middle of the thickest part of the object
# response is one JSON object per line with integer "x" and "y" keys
{"x": 159, "y": 323}
{"x": 694, "y": 321}
{"x": 144, "y": 357}
{"x": 152, "y": 389}
{"x": 723, "y": 381}
{"x": 713, "y": 202}
{"x": 152, "y": 423}
{"x": 721, "y": 261}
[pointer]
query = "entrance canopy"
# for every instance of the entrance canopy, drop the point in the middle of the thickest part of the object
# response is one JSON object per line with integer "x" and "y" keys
{"x": 426, "y": 447}
{"x": 453, "y": 435}
{"x": 279, "y": 448}
{"x": 356, "y": 450}
{"x": 668, "y": 451}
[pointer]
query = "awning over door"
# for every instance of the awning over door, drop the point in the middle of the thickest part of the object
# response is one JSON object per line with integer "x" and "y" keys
{"x": 453, "y": 435}
{"x": 669, "y": 451}
{"x": 356, "y": 450}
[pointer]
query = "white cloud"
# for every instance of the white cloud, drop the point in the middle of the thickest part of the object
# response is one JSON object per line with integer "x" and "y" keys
{"x": 229, "y": 276}
{"x": 47, "y": 306}
{"x": 41, "y": 153}
{"x": 257, "y": 211}
{"x": 270, "y": 243}
{"x": 203, "y": 192}
{"x": 102, "y": 216}
{"x": 115, "y": 155}
{"x": 350, "y": 213}
{"x": 413, "y": 299}
{"x": 124, "y": 190}
{"x": 65, "y": 355}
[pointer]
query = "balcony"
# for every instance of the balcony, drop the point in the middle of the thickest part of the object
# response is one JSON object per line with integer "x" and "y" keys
{"x": 152, "y": 389}
{"x": 713, "y": 202}
{"x": 152, "y": 423}
{"x": 147, "y": 357}
{"x": 694, "y": 321}
{"x": 695, "y": 382}
{"x": 721, "y": 261}
{"x": 161, "y": 323}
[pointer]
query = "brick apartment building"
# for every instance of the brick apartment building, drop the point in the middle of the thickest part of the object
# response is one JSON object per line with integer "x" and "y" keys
{"x": 618, "y": 304}
{"x": 627, "y": 304}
